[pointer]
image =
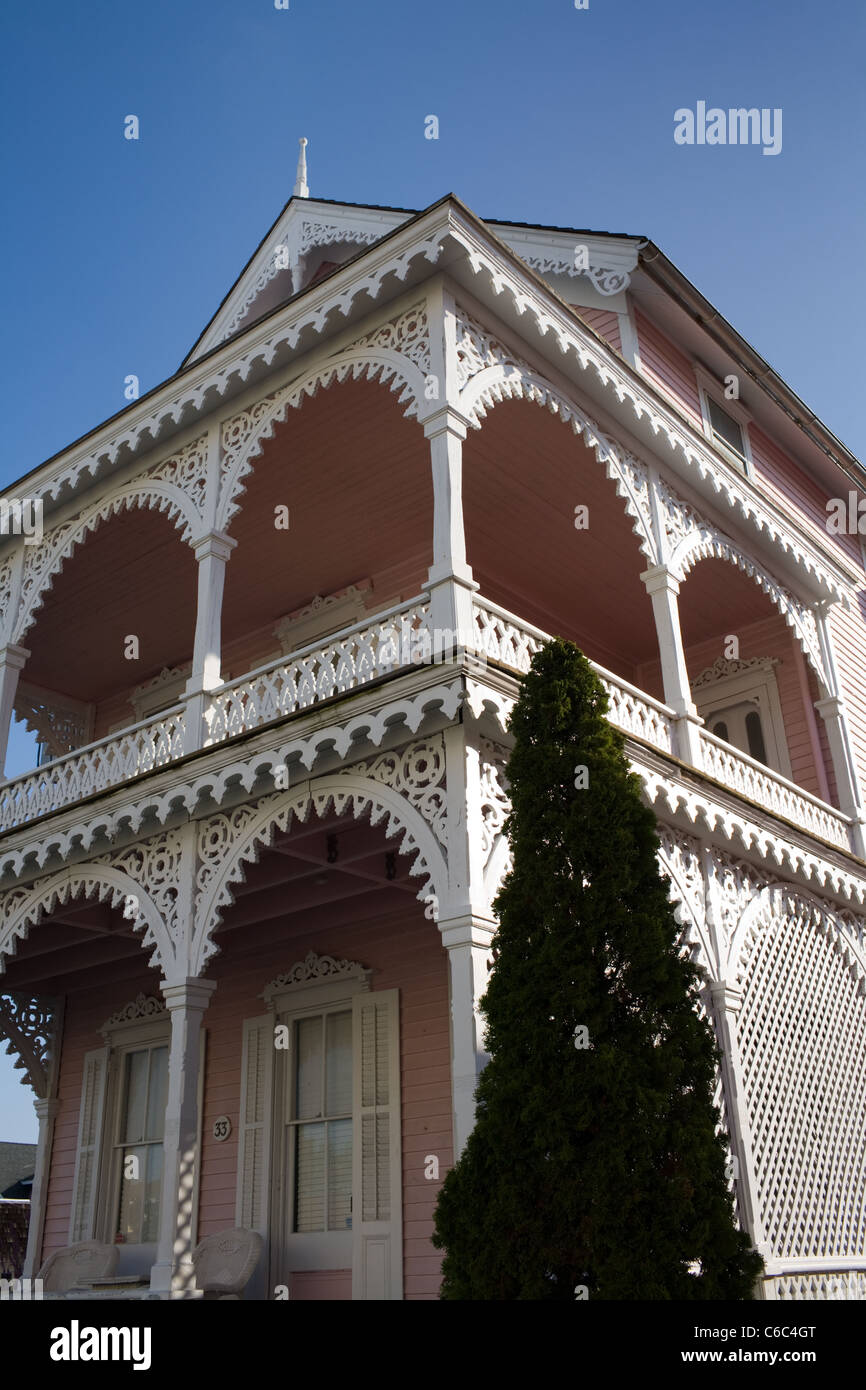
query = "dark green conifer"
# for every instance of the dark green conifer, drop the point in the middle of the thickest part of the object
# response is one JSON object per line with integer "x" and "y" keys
{"x": 594, "y": 1163}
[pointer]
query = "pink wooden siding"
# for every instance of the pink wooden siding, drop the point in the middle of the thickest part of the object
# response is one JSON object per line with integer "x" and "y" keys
{"x": 849, "y": 643}
{"x": 603, "y": 322}
{"x": 405, "y": 953}
{"x": 785, "y": 483}
{"x": 668, "y": 369}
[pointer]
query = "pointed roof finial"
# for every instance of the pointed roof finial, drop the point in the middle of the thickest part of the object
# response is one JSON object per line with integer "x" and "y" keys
{"x": 302, "y": 188}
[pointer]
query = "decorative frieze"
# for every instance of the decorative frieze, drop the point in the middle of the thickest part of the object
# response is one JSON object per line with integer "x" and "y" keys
{"x": 418, "y": 774}
{"x": 606, "y": 279}
{"x": 494, "y": 785}
{"x": 60, "y": 724}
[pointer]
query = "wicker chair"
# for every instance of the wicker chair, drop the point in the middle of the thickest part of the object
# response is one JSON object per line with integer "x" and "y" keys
{"x": 76, "y": 1265}
{"x": 224, "y": 1262}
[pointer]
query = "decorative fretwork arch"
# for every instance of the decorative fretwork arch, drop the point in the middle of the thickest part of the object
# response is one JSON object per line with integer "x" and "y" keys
{"x": 396, "y": 354}
{"x": 802, "y": 1039}
{"x": 230, "y": 841}
{"x": 489, "y": 373}
{"x": 26, "y": 907}
{"x": 706, "y": 542}
{"x": 182, "y": 501}
{"x": 688, "y": 537}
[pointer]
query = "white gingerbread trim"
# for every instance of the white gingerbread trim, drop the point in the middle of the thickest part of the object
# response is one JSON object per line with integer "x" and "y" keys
{"x": 144, "y": 1008}
{"x": 316, "y": 971}
{"x": 23, "y": 909}
{"x": 488, "y": 373}
{"x": 223, "y": 773}
{"x": 154, "y": 490}
{"x": 227, "y": 843}
{"x": 30, "y": 1026}
{"x": 395, "y": 353}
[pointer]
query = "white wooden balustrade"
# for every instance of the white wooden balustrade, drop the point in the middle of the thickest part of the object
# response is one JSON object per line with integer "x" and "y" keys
{"x": 505, "y": 638}
{"x": 78, "y": 774}
{"x": 398, "y": 638}
{"x": 770, "y": 789}
{"x": 508, "y": 639}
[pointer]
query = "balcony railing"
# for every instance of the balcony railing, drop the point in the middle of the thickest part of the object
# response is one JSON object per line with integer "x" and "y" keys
{"x": 398, "y": 639}
{"x": 107, "y": 763}
{"x": 345, "y": 661}
{"x": 350, "y": 659}
{"x": 770, "y": 789}
{"x": 508, "y": 639}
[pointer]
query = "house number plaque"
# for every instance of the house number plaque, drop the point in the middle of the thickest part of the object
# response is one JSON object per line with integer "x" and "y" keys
{"x": 222, "y": 1128}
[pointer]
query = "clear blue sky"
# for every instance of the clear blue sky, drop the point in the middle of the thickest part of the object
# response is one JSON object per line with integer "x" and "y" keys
{"x": 115, "y": 253}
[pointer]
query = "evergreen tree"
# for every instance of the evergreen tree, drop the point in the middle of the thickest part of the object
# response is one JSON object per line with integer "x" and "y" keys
{"x": 594, "y": 1169}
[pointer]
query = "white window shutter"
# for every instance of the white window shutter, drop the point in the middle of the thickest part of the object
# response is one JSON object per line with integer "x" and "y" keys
{"x": 254, "y": 1145}
{"x": 377, "y": 1224}
{"x": 86, "y": 1180}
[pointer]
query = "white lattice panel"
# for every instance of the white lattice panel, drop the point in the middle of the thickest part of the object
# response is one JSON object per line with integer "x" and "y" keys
{"x": 802, "y": 1037}
{"x": 848, "y": 1285}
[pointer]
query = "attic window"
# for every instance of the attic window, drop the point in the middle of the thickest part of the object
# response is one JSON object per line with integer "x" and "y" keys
{"x": 725, "y": 428}
{"x": 726, "y": 425}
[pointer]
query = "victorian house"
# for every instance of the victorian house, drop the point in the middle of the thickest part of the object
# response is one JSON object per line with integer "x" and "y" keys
{"x": 269, "y": 638}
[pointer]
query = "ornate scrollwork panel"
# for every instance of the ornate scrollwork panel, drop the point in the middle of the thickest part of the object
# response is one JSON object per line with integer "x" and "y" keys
{"x": 30, "y": 1026}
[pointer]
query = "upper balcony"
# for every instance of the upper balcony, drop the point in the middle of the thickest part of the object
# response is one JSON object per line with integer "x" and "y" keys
{"x": 132, "y": 661}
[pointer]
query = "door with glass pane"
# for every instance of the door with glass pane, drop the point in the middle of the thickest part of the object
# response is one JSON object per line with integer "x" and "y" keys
{"x": 315, "y": 1158}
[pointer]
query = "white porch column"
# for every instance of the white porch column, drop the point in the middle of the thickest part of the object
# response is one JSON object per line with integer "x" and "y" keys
{"x": 450, "y": 577}
{"x": 465, "y": 922}
{"x": 46, "y": 1111}
{"x": 726, "y": 1003}
{"x": 663, "y": 588}
{"x": 212, "y": 552}
{"x": 467, "y": 941}
{"x": 12, "y": 660}
{"x": 186, "y": 1002}
{"x": 833, "y": 712}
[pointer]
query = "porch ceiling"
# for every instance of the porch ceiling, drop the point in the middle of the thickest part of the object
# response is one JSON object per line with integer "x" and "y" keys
{"x": 717, "y": 599}
{"x": 524, "y": 474}
{"x": 132, "y": 575}
{"x": 355, "y": 475}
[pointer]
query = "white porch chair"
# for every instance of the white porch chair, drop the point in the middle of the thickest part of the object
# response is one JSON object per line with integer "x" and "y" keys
{"x": 224, "y": 1262}
{"x": 76, "y": 1265}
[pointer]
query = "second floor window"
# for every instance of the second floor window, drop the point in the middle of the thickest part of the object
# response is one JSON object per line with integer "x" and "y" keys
{"x": 741, "y": 725}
